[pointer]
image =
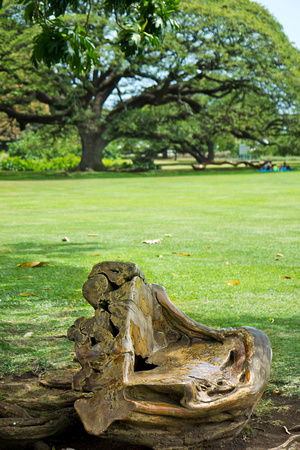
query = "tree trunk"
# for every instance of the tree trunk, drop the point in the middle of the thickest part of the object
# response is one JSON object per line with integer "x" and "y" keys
{"x": 93, "y": 145}
{"x": 211, "y": 152}
{"x": 200, "y": 156}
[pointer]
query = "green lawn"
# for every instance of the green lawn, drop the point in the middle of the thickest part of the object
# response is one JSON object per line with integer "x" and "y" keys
{"x": 242, "y": 218}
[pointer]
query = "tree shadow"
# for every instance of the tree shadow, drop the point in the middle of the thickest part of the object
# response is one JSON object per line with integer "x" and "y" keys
{"x": 190, "y": 172}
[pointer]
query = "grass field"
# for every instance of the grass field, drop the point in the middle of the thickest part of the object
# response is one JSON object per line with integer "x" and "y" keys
{"x": 234, "y": 224}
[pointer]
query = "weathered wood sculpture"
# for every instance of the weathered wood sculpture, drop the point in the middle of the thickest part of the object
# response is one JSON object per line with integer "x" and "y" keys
{"x": 159, "y": 378}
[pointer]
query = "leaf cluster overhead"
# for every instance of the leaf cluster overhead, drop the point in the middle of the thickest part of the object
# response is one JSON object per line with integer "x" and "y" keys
{"x": 62, "y": 41}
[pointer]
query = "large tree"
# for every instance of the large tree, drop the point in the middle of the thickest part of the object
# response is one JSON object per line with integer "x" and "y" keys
{"x": 225, "y": 54}
{"x": 254, "y": 119}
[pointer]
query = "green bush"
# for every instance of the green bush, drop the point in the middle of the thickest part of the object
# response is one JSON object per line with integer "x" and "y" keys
{"x": 116, "y": 163}
{"x": 144, "y": 164}
{"x": 46, "y": 143}
{"x": 16, "y": 163}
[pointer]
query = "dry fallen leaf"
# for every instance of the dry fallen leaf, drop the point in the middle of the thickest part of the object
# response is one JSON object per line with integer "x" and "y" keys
{"x": 65, "y": 239}
{"x": 227, "y": 263}
{"x": 233, "y": 282}
{"x": 9, "y": 251}
{"x": 168, "y": 235}
{"x": 47, "y": 289}
{"x": 286, "y": 276}
{"x": 279, "y": 254}
{"x": 277, "y": 259}
{"x": 96, "y": 254}
{"x": 278, "y": 392}
{"x": 27, "y": 335}
{"x": 27, "y": 294}
{"x": 207, "y": 246}
{"x": 32, "y": 264}
{"x": 93, "y": 234}
{"x": 152, "y": 241}
{"x": 27, "y": 276}
{"x": 182, "y": 254}
{"x": 159, "y": 256}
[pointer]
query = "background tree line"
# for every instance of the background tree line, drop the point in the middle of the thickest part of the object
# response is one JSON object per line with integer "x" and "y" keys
{"x": 228, "y": 72}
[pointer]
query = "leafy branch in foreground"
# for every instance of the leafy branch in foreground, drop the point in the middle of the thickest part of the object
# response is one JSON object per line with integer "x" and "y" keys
{"x": 138, "y": 24}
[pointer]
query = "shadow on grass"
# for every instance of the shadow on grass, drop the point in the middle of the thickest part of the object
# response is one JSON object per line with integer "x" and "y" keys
{"x": 52, "y": 248}
{"x": 57, "y": 302}
{"x": 36, "y": 176}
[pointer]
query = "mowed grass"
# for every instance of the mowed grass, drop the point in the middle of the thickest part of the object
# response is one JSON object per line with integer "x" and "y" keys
{"x": 233, "y": 224}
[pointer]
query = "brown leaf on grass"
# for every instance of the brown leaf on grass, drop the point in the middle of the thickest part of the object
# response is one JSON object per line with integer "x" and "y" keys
{"x": 27, "y": 294}
{"x": 47, "y": 289}
{"x": 27, "y": 276}
{"x": 207, "y": 246}
{"x": 95, "y": 254}
{"x": 277, "y": 259}
{"x": 28, "y": 265}
{"x": 227, "y": 263}
{"x": 93, "y": 234}
{"x": 232, "y": 282}
{"x": 152, "y": 241}
{"x": 279, "y": 254}
{"x": 181, "y": 254}
{"x": 9, "y": 250}
{"x": 168, "y": 235}
{"x": 287, "y": 277}
{"x": 29, "y": 334}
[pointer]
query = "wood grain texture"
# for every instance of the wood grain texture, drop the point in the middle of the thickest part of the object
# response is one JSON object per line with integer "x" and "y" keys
{"x": 156, "y": 377}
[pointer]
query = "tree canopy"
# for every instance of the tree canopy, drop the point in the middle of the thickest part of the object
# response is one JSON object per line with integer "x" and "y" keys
{"x": 228, "y": 70}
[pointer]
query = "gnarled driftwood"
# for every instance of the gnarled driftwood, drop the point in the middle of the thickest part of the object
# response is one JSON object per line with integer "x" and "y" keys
{"x": 159, "y": 378}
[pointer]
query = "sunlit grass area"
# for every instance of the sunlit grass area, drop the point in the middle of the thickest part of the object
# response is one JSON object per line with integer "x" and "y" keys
{"x": 231, "y": 225}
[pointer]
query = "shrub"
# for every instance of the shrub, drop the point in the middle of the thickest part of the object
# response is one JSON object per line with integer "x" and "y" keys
{"x": 116, "y": 163}
{"x": 46, "y": 143}
{"x": 144, "y": 164}
{"x": 16, "y": 163}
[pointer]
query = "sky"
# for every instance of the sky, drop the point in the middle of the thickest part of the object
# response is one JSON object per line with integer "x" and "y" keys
{"x": 287, "y": 13}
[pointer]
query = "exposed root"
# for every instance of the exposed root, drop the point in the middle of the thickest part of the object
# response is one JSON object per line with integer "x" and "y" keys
{"x": 287, "y": 444}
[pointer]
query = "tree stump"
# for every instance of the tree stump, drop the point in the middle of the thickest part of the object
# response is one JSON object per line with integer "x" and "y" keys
{"x": 155, "y": 377}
